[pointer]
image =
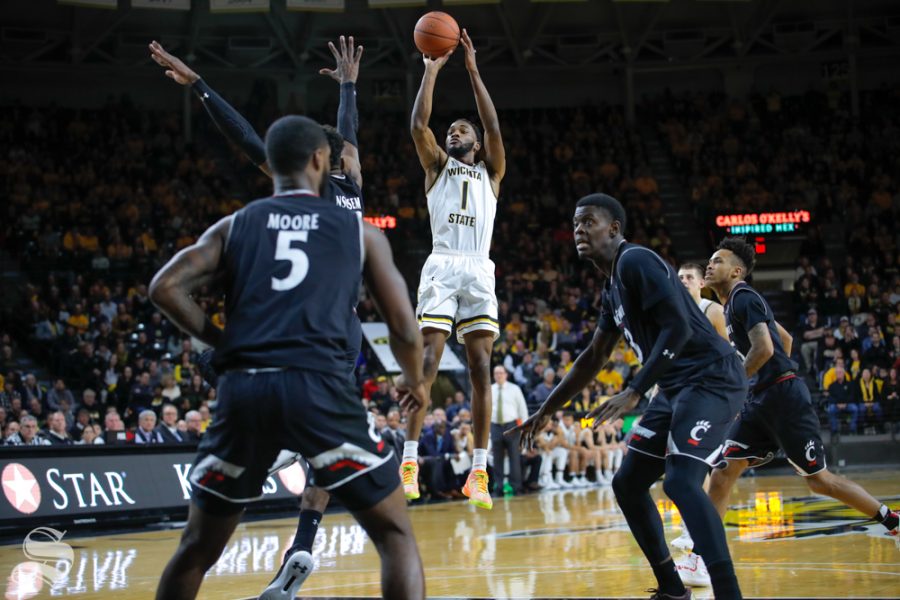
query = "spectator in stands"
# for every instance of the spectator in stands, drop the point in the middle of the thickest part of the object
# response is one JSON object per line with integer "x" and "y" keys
{"x": 394, "y": 434}
{"x": 9, "y": 430}
{"x": 539, "y": 394}
{"x": 813, "y": 332}
{"x": 841, "y": 400}
{"x": 457, "y": 404}
{"x": 206, "y": 418}
{"x": 28, "y": 434}
{"x": 56, "y": 430}
{"x": 141, "y": 395}
{"x": 193, "y": 434}
{"x": 146, "y": 433}
{"x": 90, "y": 404}
{"x": 877, "y": 353}
{"x": 869, "y": 399}
{"x": 82, "y": 423}
{"x": 381, "y": 397}
{"x": 170, "y": 390}
{"x": 891, "y": 394}
{"x": 32, "y": 389}
{"x": 59, "y": 391}
{"x": 435, "y": 450}
{"x": 168, "y": 429}
{"x": 89, "y": 437}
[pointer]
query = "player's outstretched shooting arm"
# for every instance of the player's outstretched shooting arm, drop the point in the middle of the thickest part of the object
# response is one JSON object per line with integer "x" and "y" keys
{"x": 194, "y": 267}
{"x": 431, "y": 156}
{"x": 494, "y": 152}
{"x": 391, "y": 297}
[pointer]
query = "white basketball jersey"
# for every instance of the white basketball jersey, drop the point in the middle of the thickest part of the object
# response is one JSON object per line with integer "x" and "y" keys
{"x": 462, "y": 207}
{"x": 704, "y": 304}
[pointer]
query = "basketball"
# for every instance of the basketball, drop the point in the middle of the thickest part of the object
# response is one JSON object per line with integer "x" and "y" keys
{"x": 436, "y": 34}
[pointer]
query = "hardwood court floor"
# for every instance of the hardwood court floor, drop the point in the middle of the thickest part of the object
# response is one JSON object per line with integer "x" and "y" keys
{"x": 553, "y": 545}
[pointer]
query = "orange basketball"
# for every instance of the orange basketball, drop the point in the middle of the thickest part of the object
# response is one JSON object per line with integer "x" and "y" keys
{"x": 436, "y": 34}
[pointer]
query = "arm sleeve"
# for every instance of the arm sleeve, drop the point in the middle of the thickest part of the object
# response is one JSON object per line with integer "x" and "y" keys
{"x": 230, "y": 122}
{"x": 347, "y": 117}
{"x": 674, "y": 333}
{"x": 750, "y": 309}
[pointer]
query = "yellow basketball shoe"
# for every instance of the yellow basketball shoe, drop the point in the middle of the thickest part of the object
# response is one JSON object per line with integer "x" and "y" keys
{"x": 476, "y": 489}
{"x": 409, "y": 474}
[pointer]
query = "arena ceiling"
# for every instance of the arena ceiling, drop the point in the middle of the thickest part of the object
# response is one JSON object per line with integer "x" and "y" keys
{"x": 513, "y": 34}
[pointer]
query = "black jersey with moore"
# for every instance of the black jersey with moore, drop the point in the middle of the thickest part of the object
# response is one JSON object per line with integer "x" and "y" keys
{"x": 345, "y": 192}
{"x": 292, "y": 274}
{"x": 745, "y": 309}
{"x": 640, "y": 280}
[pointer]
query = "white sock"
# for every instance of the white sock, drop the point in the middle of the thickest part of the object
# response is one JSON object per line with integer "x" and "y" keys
{"x": 479, "y": 459}
{"x": 410, "y": 451}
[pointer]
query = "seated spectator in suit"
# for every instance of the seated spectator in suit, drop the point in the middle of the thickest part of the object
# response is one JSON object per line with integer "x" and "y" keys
{"x": 841, "y": 400}
{"x": 28, "y": 434}
{"x": 435, "y": 449}
{"x": 56, "y": 430}
{"x": 168, "y": 429}
{"x": 193, "y": 422}
{"x": 393, "y": 433}
{"x": 146, "y": 433}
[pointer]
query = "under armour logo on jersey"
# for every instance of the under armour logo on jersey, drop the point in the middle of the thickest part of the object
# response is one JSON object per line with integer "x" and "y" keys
{"x": 811, "y": 452}
{"x": 205, "y": 96}
{"x": 697, "y": 432}
{"x": 668, "y": 354}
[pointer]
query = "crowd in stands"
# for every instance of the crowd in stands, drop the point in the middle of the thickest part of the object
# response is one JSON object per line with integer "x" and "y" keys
{"x": 99, "y": 199}
{"x": 782, "y": 153}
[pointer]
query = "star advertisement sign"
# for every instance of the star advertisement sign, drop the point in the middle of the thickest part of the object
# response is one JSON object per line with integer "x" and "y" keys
{"x": 64, "y": 488}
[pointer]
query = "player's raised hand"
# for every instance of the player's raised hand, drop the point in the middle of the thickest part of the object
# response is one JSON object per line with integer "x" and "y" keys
{"x": 614, "y": 408}
{"x": 529, "y": 429}
{"x": 435, "y": 64}
{"x": 175, "y": 68}
{"x": 347, "y": 57}
{"x": 470, "y": 51}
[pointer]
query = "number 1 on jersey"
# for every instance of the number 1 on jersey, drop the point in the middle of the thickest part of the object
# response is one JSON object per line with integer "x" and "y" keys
{"x": 465, "y": 195}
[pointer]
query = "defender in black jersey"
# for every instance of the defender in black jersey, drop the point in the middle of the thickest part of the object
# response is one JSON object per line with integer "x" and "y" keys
{"x": 684, "y": 427}
{"x": 780, "y": 413}
{"x": 291, "y": 267}
{"x": 344, "y": 188}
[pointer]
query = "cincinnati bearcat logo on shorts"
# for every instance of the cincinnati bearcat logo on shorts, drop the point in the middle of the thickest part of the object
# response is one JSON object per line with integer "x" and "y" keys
{"x": 811, "y": 453}
{"x": 697, "y": 432}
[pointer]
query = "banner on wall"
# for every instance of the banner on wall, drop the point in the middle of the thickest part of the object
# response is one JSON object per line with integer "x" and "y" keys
{"x": 238, "y": 6}
{"x": 376, "y": 335}
{"x": 92, "y": 3}
{"x": 162, "y": 4}
{"x": 316, "y": 5}
{"x": 62, "y": 486}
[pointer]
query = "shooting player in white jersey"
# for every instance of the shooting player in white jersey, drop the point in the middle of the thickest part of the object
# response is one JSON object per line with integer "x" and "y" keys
{"x": 462, "y": 183}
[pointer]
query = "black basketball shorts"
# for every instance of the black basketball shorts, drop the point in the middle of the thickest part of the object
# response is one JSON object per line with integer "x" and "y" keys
{"x": 779, "y": 416}
{"x": 692, "y": 420}
{"x": 260, "y": 413}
